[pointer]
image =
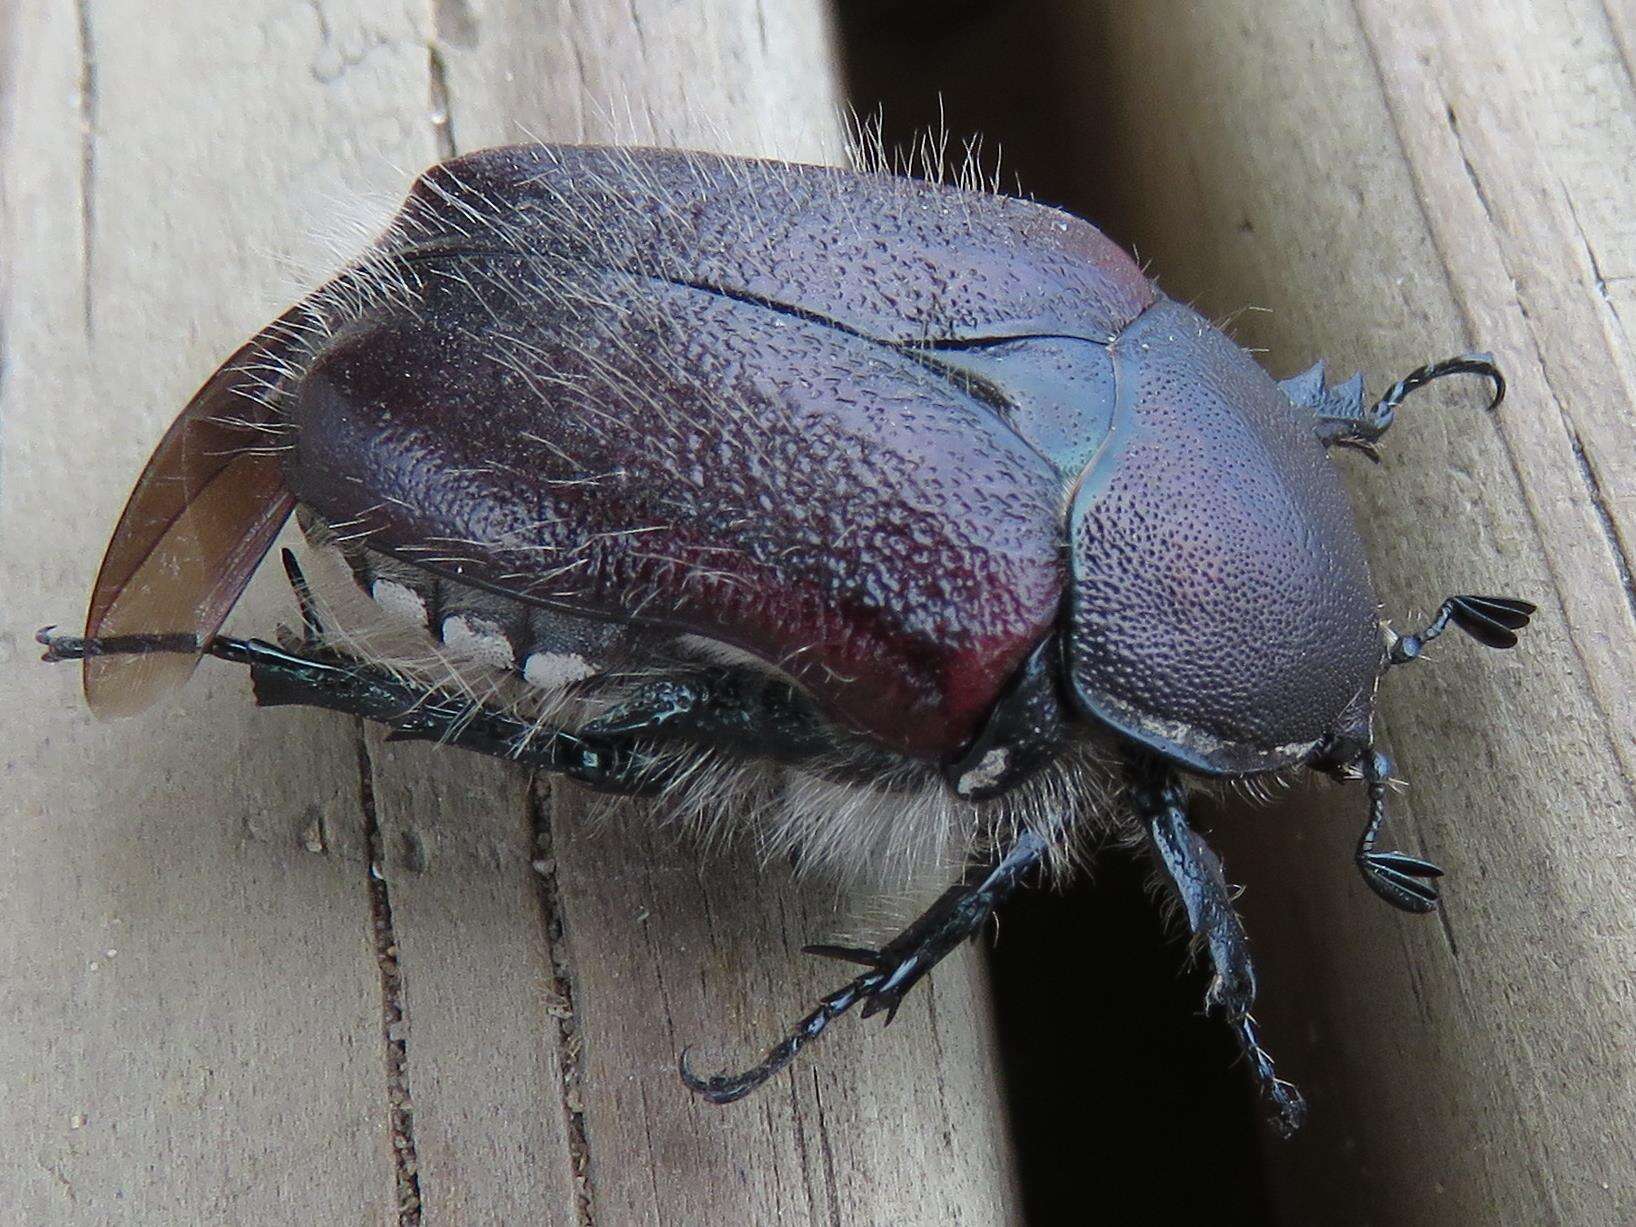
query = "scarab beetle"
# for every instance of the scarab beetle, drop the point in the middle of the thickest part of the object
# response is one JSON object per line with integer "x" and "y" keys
{"x": 925, "y": 496}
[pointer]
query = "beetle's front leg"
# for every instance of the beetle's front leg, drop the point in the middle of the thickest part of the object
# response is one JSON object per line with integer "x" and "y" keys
{"x": 959, "y": 913}
{"x": 1342, "y": 420}
{"x": 1194, "y": 873}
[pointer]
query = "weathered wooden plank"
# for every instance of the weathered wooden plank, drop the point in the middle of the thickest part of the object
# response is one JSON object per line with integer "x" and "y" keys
{"x": 346, "y": 967}
{"x": 192, "y": 1005}
{"x": 1398, "y": 182}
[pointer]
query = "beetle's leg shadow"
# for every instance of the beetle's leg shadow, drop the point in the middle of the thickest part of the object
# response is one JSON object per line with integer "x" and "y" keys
{"x": 1194, "y": 874}
{"x": 959, "y": 914}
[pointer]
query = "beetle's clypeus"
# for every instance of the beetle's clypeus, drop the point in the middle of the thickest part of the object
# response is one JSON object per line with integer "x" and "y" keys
{"x": 924, "y": 495}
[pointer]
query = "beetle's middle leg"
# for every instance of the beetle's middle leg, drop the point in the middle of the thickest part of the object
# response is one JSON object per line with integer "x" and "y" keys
{"x": 959, "y": 913}
{"x": 1194, "y": 873}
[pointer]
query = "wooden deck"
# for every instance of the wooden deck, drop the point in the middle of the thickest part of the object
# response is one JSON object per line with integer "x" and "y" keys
{"x": 261, "y": 967}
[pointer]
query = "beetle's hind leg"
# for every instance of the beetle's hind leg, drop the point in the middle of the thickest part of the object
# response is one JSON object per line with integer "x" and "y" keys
{"x": 734, "y": 708}
{"x": 301, "y": 671}
{"x": 1194, "y": 873}
{"x": 959, "y": 913}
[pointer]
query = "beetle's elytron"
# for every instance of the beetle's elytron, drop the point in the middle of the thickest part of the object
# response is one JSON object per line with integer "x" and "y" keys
{"x": 925, "y": 495}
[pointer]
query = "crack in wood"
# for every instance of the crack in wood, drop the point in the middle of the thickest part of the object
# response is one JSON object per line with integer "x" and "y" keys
{"x": 1453, "y": 122}
{"x": 827, "y": 1152}
{"x": 561, "y": 1006}
{"x": 1604, "y": 516}
{"x": 455, "y": 23}
{"x": 1447, "y": 926}
{"x": 88, "y": 162}
{"x": 394, "y": 1017}
{"x": 1600, "y": 278}
{"x": 1461, "y": 295}
{"x": 437, "y": 99}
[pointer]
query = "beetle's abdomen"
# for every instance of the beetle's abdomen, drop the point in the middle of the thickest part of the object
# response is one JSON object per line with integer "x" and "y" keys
{"x": 496, "y": 634}
{"x": 1221, "y": 607}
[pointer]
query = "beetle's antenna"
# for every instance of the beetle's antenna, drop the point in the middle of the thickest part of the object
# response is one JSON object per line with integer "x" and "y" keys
{"x": 1406, "y": 882}
{"x": 1492, "y": 621}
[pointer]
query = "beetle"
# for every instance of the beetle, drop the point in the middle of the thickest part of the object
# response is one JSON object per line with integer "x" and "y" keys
{"x": 925, "y": 497}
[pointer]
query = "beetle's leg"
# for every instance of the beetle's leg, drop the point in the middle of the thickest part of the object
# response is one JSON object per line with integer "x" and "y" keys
{"x": 1492, "y": 621}
{"x": 1404, "y": 881}
{"x": 731, "y": 706}
{"x": 959, "y": 913}
{"x": 1344, "y": 422}
{"x": 314, "y": 677}
{"x": 1194, "y": 873}
{"x": 59, "y": 648}
{"x": 740, "y": 710}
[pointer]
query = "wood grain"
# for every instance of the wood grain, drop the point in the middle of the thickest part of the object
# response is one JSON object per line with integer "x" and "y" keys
{"x": 1389, "y": 183}
{"x": 262, "y": 966}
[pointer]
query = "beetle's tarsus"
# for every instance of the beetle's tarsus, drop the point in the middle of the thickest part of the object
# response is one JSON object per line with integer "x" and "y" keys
{"x": 1194, "y": 873}
{"x": 1404, "y": 881}
{"x": 59, "y": 648}
{"x": 1465, "y": 364}
{"x": 728, "y": 1088}
{"x": 1492, "y": 621}
{"x": 959, "y": 913}
{"x": 1289, "y": 1106}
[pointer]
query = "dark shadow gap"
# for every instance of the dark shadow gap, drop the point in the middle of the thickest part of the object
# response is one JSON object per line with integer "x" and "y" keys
{"x": 1120, "y": 1092}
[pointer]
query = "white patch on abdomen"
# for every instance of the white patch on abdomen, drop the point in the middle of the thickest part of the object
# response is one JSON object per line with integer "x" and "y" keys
{"x": 399, "y": 600}
{"x": 985, "y": 774}
{"x": 477, "y": 641}
{"x": 555, "y": 670}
